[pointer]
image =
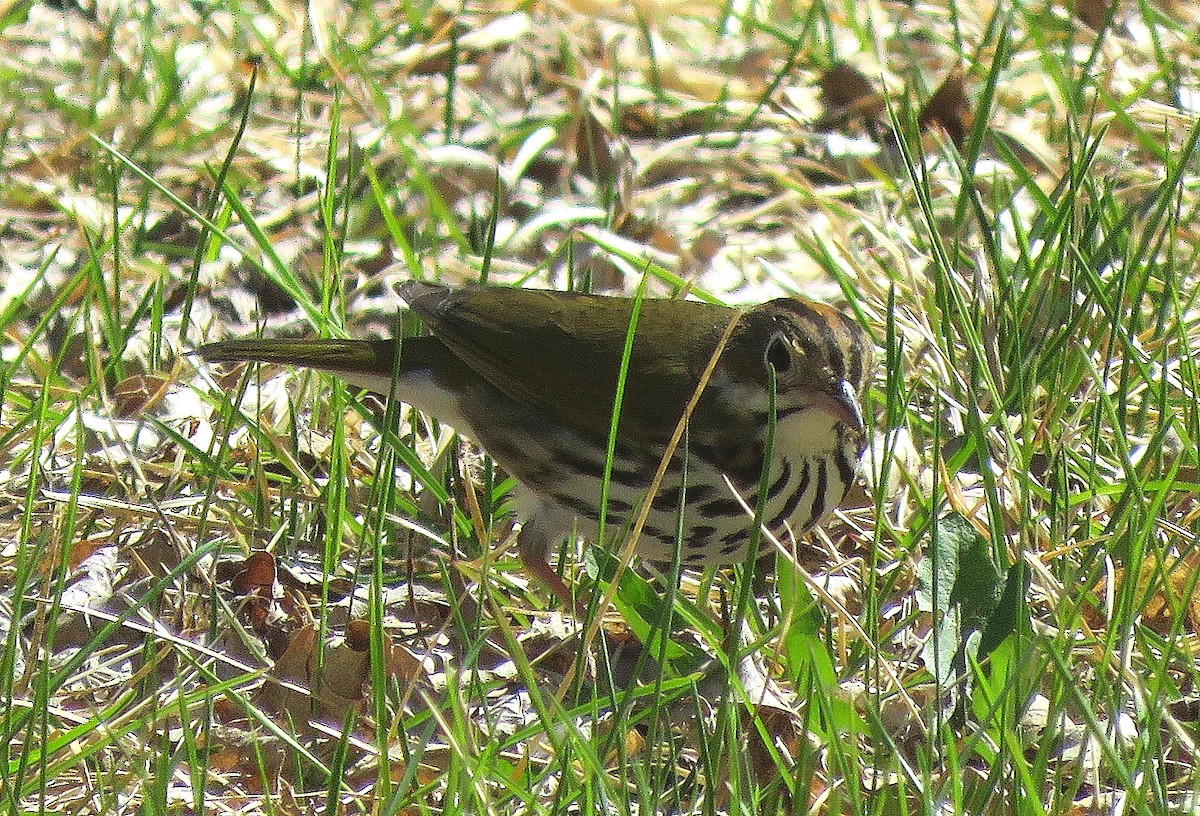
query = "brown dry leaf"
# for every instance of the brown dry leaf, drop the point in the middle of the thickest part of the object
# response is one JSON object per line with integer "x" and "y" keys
{"x": 358, "y": 635}
{"x": 258, "y": 572}
{"x": 156, "y": 551}
{"x": 772, "y": 706}
{"x": 1176, "y": 595}
{"x": 652, "y": 121}
{"x": 256, "y": 579}
{"x": 694, "y": 261}
{"x": 138, "y": 394}
{"x": 847, "y": 96}
{"x": 237, "y": 752}
{"x": 227, "y": 376}
{"x": 403, "y": 664}
{"x": 230, "y": 713}
{"x": 950, "y": 109}
{"x": 295, "y": 667}
{"x": 632, "y": 745}
{"x": 226, "y": 759}
{"x": 345, "y": 671}
{"x": 593, "y": 156}
{"x": 1172, "y": 581}
{"x": 346, "y": 668}
{"x": 780, "y": 727}
{"x": 1095, "y": 14}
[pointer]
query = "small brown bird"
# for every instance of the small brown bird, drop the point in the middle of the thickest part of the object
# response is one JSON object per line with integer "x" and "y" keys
{"x": 532, "y": 377}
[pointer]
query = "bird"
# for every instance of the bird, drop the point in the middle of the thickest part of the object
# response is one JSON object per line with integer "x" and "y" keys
{"x": 532, "y": 377}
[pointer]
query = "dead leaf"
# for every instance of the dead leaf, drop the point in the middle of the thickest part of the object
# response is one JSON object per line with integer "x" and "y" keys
{"x": 345, "y": 671}
{"x": 1095, "y": 14}
{"x": 402, "y": 664}
{"x": 593, "y": 155}
{"x": 294, "y": 667}
{"x": 156, "y": 551}
{"x": 847, "y": 96}
{"x": 230, "y": 713}
{"x": 651, "y": 121}
{"x": 950, "y": 109}
{"x": 1170, "y": 583}
{"x": 138, "y": 394}
{"x": 258, "y": 572}
{"x": 779, "y": 732}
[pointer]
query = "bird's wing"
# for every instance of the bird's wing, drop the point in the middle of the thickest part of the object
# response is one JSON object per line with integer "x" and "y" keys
{"x": 560, "y": 352}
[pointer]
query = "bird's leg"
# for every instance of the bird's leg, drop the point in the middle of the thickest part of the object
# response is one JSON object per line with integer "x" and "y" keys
{"x": 533, "y": 545}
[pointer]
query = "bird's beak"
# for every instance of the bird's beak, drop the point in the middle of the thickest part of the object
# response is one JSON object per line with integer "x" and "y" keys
{"x": 842, "y": 402}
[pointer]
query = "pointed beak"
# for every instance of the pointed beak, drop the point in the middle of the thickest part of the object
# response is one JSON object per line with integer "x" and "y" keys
{"x": 842, "y": 402}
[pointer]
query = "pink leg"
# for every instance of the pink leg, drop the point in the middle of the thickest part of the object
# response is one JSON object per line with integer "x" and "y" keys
{"x": 533, "y": 544}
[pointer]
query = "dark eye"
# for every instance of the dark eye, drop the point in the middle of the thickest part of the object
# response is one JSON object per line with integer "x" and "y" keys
{"x": 779, "y": 354}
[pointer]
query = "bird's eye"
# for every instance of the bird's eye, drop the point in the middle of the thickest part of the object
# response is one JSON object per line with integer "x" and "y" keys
{"x": 779, "y": 354}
